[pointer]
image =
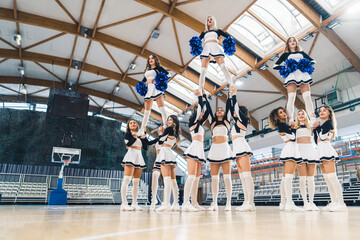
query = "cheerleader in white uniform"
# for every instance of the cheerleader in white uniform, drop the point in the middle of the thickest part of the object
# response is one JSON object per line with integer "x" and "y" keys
{"x": 195, "y": 155}
{"x": 133, "y": 164}
{"x": 328, "y": 156}
{"x": 166, "y": 161}
{"x": 297, "y": 78}
{"x": 309, "y": 159}
{"x": 290, "y": 156}
{"x": 153, "y": 67}
{"x": 212, "y": 49}
{"x": 242, "y": 151}
{"x": 220, "y": 153}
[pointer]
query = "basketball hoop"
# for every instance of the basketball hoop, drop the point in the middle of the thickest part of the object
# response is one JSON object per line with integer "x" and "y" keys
{"x": 66, "y": 161}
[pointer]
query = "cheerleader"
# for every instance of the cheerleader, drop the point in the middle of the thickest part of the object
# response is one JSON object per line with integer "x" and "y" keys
{"x": 309, "y": 159}
{"x": 297, "y": 76}
{"x": 328, "y": 156}
{"x": 166, "y": 160}
{"x": 153, "y": 68}
{"x": 212, "y": 49}
{"x": 242, "y": 151}
{"x": 133, "y": 164}
{"x": 290, "y": 155}
{"x": 220, "y": 153}
{"x": 195, "y": 155}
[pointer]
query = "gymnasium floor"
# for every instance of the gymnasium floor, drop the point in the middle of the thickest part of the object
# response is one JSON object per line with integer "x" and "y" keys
{"x": 107, "y": 222}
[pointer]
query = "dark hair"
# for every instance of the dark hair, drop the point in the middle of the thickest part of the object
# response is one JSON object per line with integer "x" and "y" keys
{"x": 331, "y": 118}
{"x": 128, "y": 123}
{"x": 274, "y": 118}
{"x": 176, "y": 127}
{"x": 157, "y": 62}
{"x": 245, "y": 111}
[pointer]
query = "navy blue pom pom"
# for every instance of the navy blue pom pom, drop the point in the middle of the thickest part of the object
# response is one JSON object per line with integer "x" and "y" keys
{"x": 141, "y": 88}
{"x": 291, "y": 65}
{"x": 229, "y": 46}
{"x": 304, "y": 65}
{"x": 284, "y": 72}
{"x": 161, "y": 81}
{"x": 196, "y": 46}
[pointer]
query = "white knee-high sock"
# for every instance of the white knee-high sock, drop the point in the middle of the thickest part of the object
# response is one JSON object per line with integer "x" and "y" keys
{"x": 282, "y": 191}
{"x": 144, "y": 122}
{"x": 163, "y": 115}
{"x": 330, "y": 188}
{"x": 249, "y": 186}
{"x": 175, "y": 191}
{"x": 215, "y": 187}
{"x": 311, "y": 188}
{"x": 226, "y": 74}
{"x": 202, "y": 78}
{"x": 333, "y": 179}
{"x": 290, "y": 105}
{"x": 194, "y": 191}
{"x": 135, "y": 190}
{"x": 154, "y": 186}
{"x": 243, "y": 184}
{"x": 228, "y": 188}
{"x": 288, "y": 187}
{"x": 167, "y": 190}
{"x": 188, "y": 188}
{"x": 303, "y": 188}
{"x": 309, "y": 106}
{"x": 124, "y": 188}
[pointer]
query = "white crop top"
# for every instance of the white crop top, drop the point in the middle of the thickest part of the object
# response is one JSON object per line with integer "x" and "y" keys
{"x": 234, "y": 133}
{"x": 200, "y": 132}
{"x": 150, "y": 74}
{"x": 220, "y": 130}
{"x": 137, "y": 143}
{"x": 303, "y": 132}
{"x": 210, "y": 36}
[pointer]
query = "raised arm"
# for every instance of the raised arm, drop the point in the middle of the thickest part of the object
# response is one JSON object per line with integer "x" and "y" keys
{"x": 210, "y": 115}
{"x": 195, "y": 117}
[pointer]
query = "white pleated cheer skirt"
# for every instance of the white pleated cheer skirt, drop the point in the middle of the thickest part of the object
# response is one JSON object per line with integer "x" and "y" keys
{"x": 220, "y": 152}
{"x": 326, "y": 152}
{"x": 241, "y": 147}
{"x": 165, "y": 157}
{"x": 212, "y": 49}
{"x": 308, "y": 153}
{"x": 152, "y": 92}
{"x": 291, "y": 152}
{"x": 157, "y": 167}
{"x": 134, "y": 158}
{"x": 298, "y": 77}
{"x": 196, "y": 151}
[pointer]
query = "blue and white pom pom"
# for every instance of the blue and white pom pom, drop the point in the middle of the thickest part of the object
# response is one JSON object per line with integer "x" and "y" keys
{"x": 161, "y": 81}
{"x": 196, "y": 46}
{"x": 305, "y": 65}
{"x": 284, "y": 72}
{"x": 291, "y": 65}
{"x": 229, "y": 46}
{"x": 141, "y": 88}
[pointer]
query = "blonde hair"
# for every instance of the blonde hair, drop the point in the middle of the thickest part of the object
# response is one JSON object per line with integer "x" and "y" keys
{"x": 287, "y": 48}
{"x": 297, "y": 122}
{"x": 206, "y": 23}
{"x": 332, "y": 118}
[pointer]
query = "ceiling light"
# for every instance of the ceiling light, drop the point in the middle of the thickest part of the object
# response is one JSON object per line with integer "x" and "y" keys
{"x": 117, "y": 88}
{"x": 21, "y": 70}
{"x": 17, "y": 38}
{"x": 155, "y": 34}
{"x": 307, "y": 37}
{"x": 238, "y": 82}
{"x": 132, "y": 66}
{"x": 263, "y": 66}
{"x": 333, "y": 24}
{"x": 274, "y": 57}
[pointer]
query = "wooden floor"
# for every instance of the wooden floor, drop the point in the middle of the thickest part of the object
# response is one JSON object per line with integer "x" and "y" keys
{"x": 107, "y": 222}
